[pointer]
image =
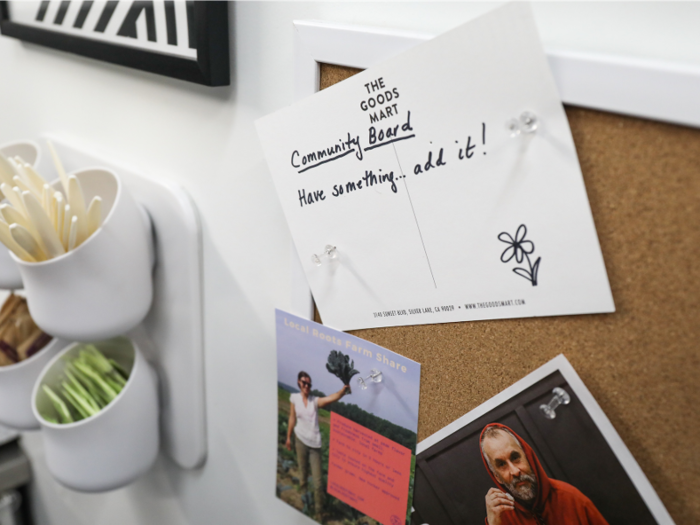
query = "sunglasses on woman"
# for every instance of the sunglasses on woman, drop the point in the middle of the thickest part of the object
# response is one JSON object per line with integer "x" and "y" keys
{"x": 306, "y": 383}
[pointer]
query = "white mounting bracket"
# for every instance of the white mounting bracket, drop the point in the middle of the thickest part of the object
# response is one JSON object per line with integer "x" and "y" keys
{"x": 172, "y": 335}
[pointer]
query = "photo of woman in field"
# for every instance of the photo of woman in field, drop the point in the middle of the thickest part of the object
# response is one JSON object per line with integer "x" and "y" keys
{"x": 303, "y": 421}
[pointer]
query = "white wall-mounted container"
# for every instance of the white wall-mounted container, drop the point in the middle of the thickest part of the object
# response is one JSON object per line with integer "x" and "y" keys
{"x": 27, "y": 149}
{"x": 16, "y": 386}
{"x": 114, "y": 447}
{"x": 171, "y": 335}
{"x": 104, "y": 287}
{"x": 10, "y": 278}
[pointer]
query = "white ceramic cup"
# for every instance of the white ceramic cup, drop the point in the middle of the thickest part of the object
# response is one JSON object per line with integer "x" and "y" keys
{"x": 10, "y": 278}
{"x": 104, "y": 287}
{"x": 27, "y": 149}
{"x": 114, "y": 447}
{"x": 16, "y": 385}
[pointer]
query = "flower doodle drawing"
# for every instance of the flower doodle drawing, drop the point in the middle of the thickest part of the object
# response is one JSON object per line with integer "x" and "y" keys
{"x": 520, "y": 248}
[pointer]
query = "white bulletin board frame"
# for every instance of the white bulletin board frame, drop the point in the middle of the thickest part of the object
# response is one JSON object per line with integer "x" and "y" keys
{"x": 636, "y": 87}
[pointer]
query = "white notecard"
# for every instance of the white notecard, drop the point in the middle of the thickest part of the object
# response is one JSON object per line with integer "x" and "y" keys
{"x": 410, "y": 170}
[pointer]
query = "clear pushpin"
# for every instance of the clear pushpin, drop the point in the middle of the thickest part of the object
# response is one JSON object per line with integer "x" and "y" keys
{"x": 375, "y": 376}
{"x": 561, "y": 397}
{"x": 526, "y": 123}
{"x": 331, "y": 252}
{"x": 513, "y": 126}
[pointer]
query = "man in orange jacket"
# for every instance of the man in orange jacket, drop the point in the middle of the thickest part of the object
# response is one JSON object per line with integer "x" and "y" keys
{"x": 525, "y": 494}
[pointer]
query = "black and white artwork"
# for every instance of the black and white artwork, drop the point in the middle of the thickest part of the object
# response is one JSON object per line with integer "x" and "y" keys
{"x": 182, "y": 39}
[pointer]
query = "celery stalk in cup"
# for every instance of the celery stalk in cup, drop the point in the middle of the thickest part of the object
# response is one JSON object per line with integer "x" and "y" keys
{"x": 88, "y": 384}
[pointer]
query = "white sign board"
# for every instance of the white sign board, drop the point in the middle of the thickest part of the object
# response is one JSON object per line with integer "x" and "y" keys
{"x": 438, "y": 211}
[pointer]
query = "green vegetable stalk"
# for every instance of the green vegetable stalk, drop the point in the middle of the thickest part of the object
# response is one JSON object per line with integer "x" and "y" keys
{"x": 340, "y": 365}
{"x": 90, "y": 382}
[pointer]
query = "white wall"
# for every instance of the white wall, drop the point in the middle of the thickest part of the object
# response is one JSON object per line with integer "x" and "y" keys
{"x": 204, "y": 138}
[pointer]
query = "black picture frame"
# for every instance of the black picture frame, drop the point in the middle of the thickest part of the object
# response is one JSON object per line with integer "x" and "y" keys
{"x": 211, "y": 68}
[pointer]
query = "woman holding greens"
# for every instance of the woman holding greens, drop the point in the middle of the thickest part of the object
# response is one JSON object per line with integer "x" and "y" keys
{"x": 303, "y": 419}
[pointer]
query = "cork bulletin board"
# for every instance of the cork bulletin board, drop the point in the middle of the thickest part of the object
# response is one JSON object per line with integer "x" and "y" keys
{"x": 641, "y": 363}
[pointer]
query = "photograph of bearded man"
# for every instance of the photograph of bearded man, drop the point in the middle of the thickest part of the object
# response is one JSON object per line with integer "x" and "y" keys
{"x": 524, "y": 494}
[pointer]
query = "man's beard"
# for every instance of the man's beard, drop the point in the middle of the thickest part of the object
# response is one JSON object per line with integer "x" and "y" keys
{"x": 525, "y": 493}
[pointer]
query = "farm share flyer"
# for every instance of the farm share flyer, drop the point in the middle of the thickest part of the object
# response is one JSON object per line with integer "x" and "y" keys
{"x": 347, "y": 425}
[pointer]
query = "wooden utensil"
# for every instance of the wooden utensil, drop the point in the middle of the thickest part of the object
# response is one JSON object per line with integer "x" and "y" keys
{"x": 94, "y": 215}
{"x": 25, "y": 239}
{"x": 48, "y": 237}
{"x": 8, "y": 240}
{"x": 77, "y": 204}
{"x": 59, "y": 168}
